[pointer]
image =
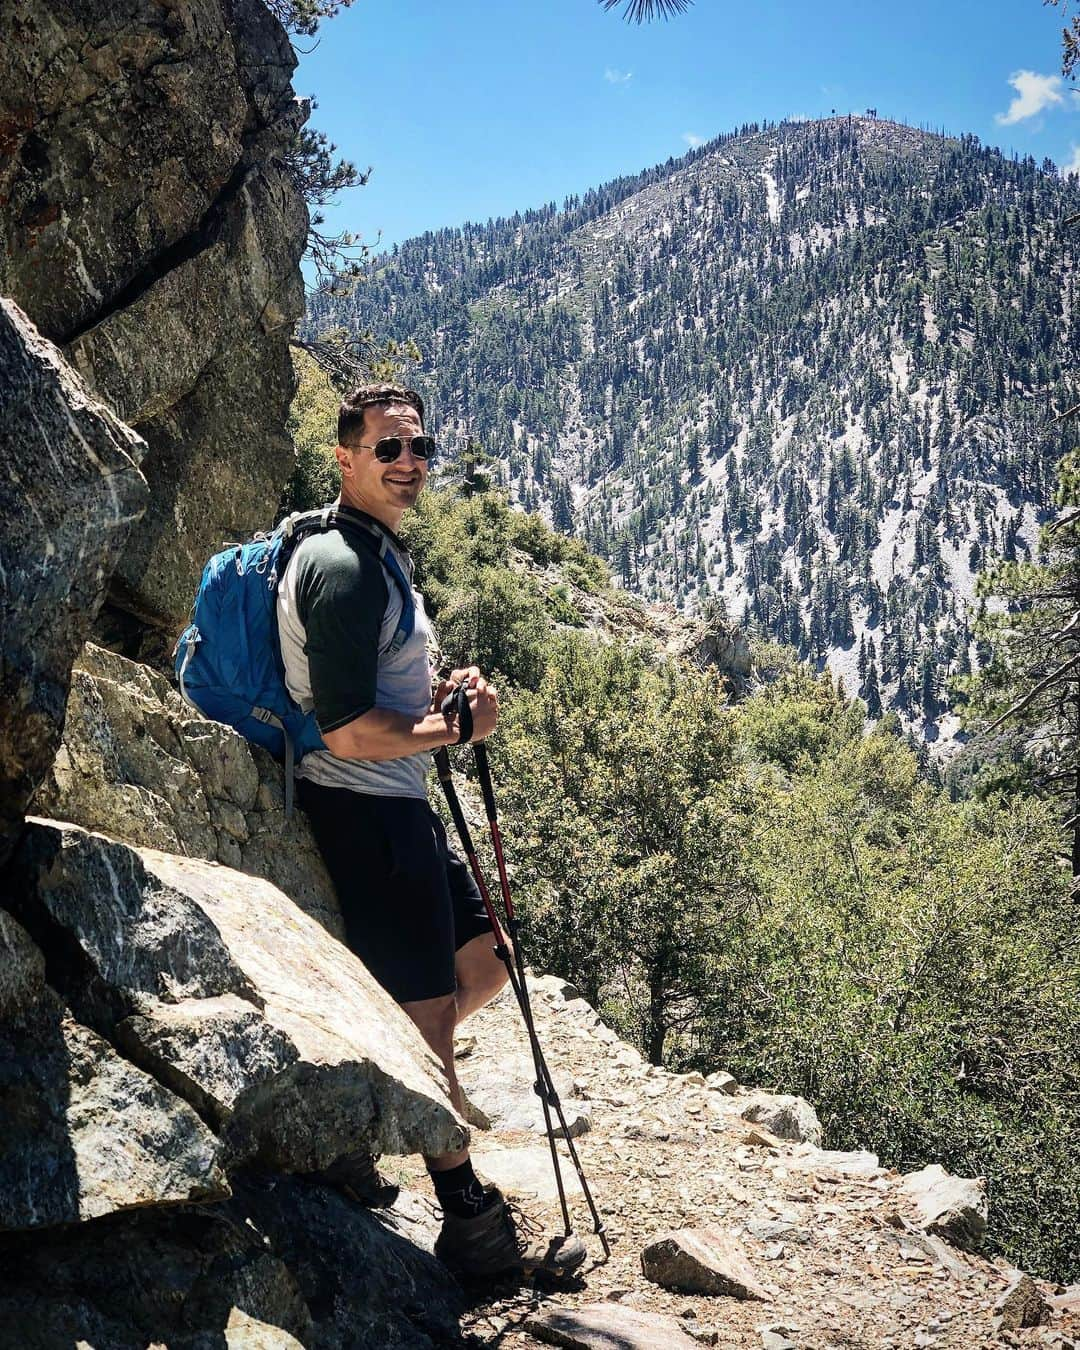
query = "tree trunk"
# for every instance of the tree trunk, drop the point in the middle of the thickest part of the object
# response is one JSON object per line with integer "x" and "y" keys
{"x": 1076, "y": 807}
{"x": 656, "y": 1030}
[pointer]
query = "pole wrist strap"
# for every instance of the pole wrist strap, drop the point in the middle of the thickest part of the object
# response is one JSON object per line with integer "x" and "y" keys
{"x": 456, "y": 704}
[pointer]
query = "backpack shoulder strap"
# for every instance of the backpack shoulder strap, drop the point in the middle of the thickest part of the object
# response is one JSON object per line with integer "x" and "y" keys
{"x": 298, "y": 526}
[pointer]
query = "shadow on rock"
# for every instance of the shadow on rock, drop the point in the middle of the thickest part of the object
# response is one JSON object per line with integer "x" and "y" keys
{"x": 369, "y": 1277}
{"x": 295, "y": 1265}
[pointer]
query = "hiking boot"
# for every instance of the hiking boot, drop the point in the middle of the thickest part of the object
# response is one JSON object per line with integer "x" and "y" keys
{"x": 500, "y": 1240}
{"x": 357, "y": 1178}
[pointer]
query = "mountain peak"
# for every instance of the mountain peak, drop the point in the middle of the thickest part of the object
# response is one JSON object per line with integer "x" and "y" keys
{"x": 809, "y": 370}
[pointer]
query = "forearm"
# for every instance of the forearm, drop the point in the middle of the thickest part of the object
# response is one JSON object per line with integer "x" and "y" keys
{"x": 383, "y": 734}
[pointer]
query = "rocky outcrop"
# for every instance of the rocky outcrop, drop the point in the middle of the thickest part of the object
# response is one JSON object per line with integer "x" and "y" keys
{"x": 293, "y": 1267}
{"x": 152, "y": 227}
{"x": 138, "y": 764}
{"x": 218, "y": 985}
{"x": 69, "y": 493}
{"x": 86, "y": 1133}
{"x": 229, "y": 1032}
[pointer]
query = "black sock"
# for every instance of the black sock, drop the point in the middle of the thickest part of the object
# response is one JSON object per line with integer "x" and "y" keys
{"x": 460, "y": 1192}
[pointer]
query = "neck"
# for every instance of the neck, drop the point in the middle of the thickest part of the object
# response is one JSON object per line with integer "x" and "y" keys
{"x": 388, "y": 516}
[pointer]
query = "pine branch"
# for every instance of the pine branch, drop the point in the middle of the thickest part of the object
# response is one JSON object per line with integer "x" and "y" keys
{"x": 1063, "y": 522}
{"x": 644, "y": 11}
{"x": 1030, "y": 696}
{"x": 346, "y": 364}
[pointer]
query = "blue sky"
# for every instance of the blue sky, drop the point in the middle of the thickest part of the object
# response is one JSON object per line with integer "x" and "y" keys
{"x": 472, "y": 109}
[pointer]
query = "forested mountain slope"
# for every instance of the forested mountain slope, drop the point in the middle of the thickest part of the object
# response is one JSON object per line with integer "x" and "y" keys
{"x": 811, "y": 368}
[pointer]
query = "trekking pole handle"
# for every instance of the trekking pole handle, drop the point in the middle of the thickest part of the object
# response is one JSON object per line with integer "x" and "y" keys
{"x": 456, "y": 704}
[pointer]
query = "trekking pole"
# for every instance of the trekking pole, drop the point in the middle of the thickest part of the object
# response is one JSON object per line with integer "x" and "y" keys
{"x": 502, "y": 951}
{"x": 545, "y": 1085}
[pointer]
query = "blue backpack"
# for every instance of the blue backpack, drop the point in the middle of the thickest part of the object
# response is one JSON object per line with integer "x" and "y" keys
{"x": 228, "y": 660}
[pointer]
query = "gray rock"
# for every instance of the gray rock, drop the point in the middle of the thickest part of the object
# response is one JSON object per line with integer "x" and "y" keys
{"x": 526, "y": 1171}
{"x": 88, "y": 1134}
{"x": 1021, "y": 1305}
{"x": 722, "y": 1082}
{"x": 500, "y": 1080}
{"x": 911, "y": 1239}
{"x": 853, "y": 1163}
{"x": 241, "y": 264}
{"x": 156, "y": 107}
{"x": 785, "y": 1116}
{"x": 701, "y": 1261}
{"x": 216, "y": 464}
{"x": 369, "y": 1277}
{"x": 22, "y": 971}
{"x": 191, "y": 1280}
{"x": 138, "y": 764}
{"x": 953, "y": 1207}
{"x": 608, "y": 1326}
{"x": 281, "y": 1267}
{"x": 169, "y": 268}
{"x": 502, "y": 1087}
{"x": 217, "y": 982}
{"x": 778, "y": 1337}
{"x": 69, "y": 493}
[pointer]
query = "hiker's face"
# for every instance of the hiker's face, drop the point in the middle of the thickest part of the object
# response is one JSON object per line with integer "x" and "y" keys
{"x": 386, "y": 490}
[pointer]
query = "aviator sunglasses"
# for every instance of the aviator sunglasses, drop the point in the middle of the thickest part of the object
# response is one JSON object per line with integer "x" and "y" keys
{"x": 389, "y": 447}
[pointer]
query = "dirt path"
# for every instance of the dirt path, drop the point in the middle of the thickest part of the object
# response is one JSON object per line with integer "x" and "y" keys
{"x": 832, "y": 1237}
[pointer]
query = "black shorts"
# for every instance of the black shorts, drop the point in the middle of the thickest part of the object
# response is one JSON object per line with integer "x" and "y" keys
{"x": 408, "y": 901}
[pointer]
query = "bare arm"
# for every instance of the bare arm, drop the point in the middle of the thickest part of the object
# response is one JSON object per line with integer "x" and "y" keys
{"x": 382, "y": 734}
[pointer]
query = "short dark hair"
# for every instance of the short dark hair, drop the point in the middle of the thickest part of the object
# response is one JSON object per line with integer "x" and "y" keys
{"x": 351, "y": 413}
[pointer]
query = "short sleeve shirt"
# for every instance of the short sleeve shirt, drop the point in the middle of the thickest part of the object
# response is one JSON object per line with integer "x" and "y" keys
{"x": 338, "y": 611}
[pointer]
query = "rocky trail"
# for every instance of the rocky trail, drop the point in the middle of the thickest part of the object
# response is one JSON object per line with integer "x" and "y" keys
{"x": 826, "y": 1249}
{"x": 240, "y": 1031}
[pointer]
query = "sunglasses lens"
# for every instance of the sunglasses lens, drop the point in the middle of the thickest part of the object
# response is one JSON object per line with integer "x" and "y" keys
{"x": 388, "y": 449}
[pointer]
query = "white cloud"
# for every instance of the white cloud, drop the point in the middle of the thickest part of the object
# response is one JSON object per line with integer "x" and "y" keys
{"x": 1034, "y": 93}
{"x": 1073, "y": 165}
{"x": 618, "y": 76}
{"x": 692, "y": 139}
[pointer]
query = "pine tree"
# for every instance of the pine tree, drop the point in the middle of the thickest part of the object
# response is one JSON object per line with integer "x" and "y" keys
{"x": 872, "y": 692}
{"x": 1032, "y": 678}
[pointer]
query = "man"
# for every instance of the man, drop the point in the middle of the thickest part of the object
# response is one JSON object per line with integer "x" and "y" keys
{"x": 412, "y": 910}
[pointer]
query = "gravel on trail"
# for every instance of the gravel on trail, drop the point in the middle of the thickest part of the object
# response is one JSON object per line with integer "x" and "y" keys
{"x": 833, "y": 1239}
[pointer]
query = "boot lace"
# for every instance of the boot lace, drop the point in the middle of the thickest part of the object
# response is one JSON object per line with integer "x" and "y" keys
{"x": 525, "y": 1228}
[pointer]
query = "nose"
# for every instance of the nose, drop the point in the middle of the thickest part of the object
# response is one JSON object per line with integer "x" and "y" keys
{"x": 418, "y": 461}
{"x": 407, "y": 459}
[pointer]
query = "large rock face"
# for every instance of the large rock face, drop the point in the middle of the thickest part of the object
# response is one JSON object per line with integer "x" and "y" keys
{"x": 138, "y": 764}
{"x": 69, "y": 492}
{"x": 294, "y": 1267}
{"x": 224, "y": 990}
{"x": 152, "y": 227}
{"x": 86, "y": 1133}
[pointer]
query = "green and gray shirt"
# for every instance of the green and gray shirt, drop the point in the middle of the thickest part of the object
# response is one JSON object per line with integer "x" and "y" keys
{"x": 338, "y": 611}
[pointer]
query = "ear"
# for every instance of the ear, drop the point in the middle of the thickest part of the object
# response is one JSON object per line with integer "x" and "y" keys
{"x": 344, "y": 459}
